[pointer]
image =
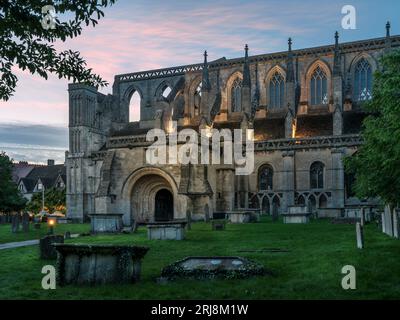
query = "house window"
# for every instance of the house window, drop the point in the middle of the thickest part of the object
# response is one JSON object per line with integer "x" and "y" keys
{"x": 265, "y": 178}
{"x": 236, "y": 95}
{"x": 363, "y": 81}
{"x": 319, "y": 87}
{"x": 276, "y": 91}
{"x": 317, "y": 175}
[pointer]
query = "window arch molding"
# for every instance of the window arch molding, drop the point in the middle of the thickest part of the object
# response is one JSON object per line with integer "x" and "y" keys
{"x": 323, "y": 66}
{"x": 228, "y": 88}
{"x": 265, "y": 177}
{"x": 317, "y": 175}
{"x": 354, "y": 64}
{"x": 161, "y": 88}
{"x": 127, "y": 96}
{"x": 195, "y": 83}
{"x": 267, "y": 83}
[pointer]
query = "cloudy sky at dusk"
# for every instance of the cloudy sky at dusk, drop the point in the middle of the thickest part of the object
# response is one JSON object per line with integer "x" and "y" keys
{"x": 140, "y": 35}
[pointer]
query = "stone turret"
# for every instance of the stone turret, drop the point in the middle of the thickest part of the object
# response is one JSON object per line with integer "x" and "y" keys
{"x": 205, "y": 91}
{"x": 388, "y": 40}
{"x": 290, "y": 93}
{"x": 246, "y": 83}
{"x": 337, "y": 90}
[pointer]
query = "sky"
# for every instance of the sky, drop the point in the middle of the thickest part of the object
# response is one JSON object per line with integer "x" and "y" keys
{"x": 141, "y": 35}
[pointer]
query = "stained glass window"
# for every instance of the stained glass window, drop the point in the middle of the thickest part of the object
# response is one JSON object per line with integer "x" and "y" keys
{"x": 363, "y": 81}
{"x": 276, "y": 91}
{"x": 319, "y": 87}
{"x": 236, "y": 95}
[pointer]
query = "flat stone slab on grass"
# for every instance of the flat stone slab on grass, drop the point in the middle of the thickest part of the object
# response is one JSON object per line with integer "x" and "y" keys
{"x": 85, "y": 264}
{"x": 213, "y": 267}
{"x": 172, "y": 230}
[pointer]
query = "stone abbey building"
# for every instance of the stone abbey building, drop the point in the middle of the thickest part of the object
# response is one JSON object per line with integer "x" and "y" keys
{"x": 305, "y": 107}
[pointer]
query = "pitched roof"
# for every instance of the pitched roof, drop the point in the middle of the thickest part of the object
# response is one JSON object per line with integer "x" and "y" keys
{"x": 47, "y": 175}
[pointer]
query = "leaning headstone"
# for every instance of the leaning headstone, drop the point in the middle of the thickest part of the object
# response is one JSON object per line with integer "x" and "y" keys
{"x": 15, "y": 223}
{"x": 395, "y": 224}
{"x": 388, "y": 221}
{"x": 25, "y": 222}
{"x": 47, "y": 250}
{"x": 188, "y": 220}
{"x": 67, "y": 235}
{"x": 360, "y": 236}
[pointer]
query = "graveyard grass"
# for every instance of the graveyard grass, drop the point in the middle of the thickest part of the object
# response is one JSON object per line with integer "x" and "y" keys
{"x": 310, "y": 269}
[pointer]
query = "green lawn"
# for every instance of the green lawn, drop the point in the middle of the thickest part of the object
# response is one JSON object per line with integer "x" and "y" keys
{"x": 311, "y": 269}
{"x": 7, "y": 236}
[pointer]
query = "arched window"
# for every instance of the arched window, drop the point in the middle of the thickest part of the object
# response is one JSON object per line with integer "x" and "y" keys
{"x": 301, "y": 201}
{"x": 197, "y": 100}
{"x": 363, "y": 81}
{"x": 319, "y": 87}
{"x": 236, "y": 95}
{"x": 265, "y": 178}
{"x": 317, "y": 175}
{"x": 276, "y": 91}
{"x": 323, "y": 202}
{"x": 134, "y": 107}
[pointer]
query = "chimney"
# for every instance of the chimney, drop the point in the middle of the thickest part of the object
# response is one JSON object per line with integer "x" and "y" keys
{"x": 50, "y": 162}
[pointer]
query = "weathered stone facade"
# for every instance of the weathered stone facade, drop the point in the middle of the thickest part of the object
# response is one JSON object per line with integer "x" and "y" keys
{"x": 304, "y": 105}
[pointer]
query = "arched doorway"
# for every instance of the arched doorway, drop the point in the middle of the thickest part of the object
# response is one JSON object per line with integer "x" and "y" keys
{"x": 163, "y": 206}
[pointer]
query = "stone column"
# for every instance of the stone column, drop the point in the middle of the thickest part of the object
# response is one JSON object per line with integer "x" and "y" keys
{"x": 288, "y": 179}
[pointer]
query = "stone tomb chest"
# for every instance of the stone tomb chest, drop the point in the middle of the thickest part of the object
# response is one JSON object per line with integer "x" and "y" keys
{"x": 244, "y": 216}
{"x": 172, "y": 230}
{"x": 213, "y": 267}
{"x": 297, "y": 214}
{"x": 98, "y": 264}
{"x": 106, "y": 222}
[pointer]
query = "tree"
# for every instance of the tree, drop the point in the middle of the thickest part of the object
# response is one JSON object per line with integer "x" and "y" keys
{"x": 27, "y": 43}
{"x": 10, "y": 197}
{"x": 376, "y": 164}
{"x": 54, "y": 200}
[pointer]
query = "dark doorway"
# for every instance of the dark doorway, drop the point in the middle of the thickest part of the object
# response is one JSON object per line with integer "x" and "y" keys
{"x": 164, "y": 206}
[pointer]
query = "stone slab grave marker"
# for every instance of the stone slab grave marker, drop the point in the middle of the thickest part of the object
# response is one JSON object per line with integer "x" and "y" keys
{"x": 25, "y": 222}
{"x": 388, "y": 221}
{"x": 383, "y": 222}
{"x": 395, "y": 224}
{"x": 360, "y": 236}
{"x": 218, "y": 225}
{"x": 15, "y": 223}
{"x": 47, "y": 250}
{"x": 86, "y": 264}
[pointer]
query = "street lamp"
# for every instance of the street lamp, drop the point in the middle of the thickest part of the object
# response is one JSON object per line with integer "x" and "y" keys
{"x": 41, "y": 188}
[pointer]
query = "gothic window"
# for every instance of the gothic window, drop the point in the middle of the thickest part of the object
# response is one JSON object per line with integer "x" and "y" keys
{"x": 265, "y": 178}
{"x": 276, "y": 91}
{"x": 236, "y": 95}
{"x": 197, "y": 100}
{"x": 363, "y": 81}
{"x": 317, "y": 175}
{"x": 319, "y": 87}
{"x": 134, "y": 107}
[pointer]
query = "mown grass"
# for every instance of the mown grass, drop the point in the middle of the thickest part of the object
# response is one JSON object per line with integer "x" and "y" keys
{"x": 311, "y": 269}
{"x": 7, "y": 236}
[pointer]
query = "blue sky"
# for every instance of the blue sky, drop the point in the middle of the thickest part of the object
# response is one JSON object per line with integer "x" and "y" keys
{"x": 140, "y": 35}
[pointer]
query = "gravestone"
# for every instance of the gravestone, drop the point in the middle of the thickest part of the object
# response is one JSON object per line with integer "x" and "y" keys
{"x": 67, "y": 235}
{"x": 218, "y": 225}
{"x": 395, "y": 224}
{"x": 206, "y": 213}
{"x": 360, "y": 236}
{"x": 47, "y": 250}
{"x": 383, "y": 222}
{"x": 25, "y": 222}
{"x": 188, "y": 220}
{"x": 362, "y": 217}
{"x": 15, "y": 223}
{"x": 388, "y": 221}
